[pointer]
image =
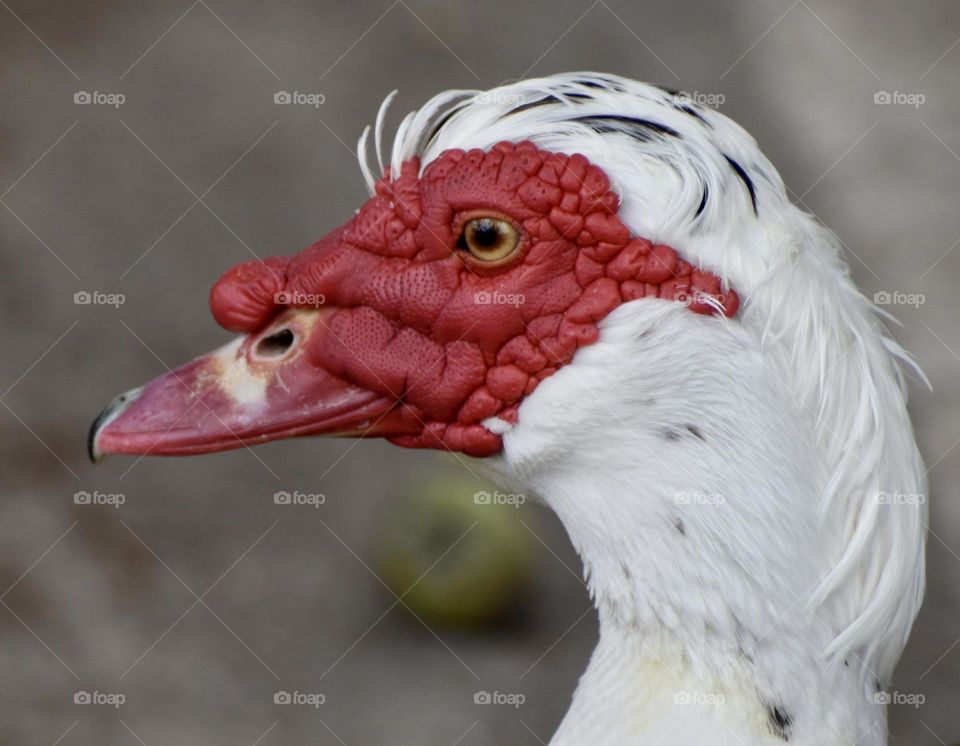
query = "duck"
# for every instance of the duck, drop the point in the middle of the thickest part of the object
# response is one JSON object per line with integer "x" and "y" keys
{"x": 600, "y": 290}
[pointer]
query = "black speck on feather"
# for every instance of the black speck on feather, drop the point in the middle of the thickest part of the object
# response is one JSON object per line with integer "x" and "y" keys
{"x": 693, "y": 113}
{"x": 738, "y": 169}
{"x": 601, "y": 83}
{"x": 703, "y": 202}
{"x": 442, "y": 121}
{"x": 695, "y": 432}
{"x": 547, "y": 100}
{"x": 640, "y": 129}
{"x": 668, "y": 90}
{"x": 779, "y": 721}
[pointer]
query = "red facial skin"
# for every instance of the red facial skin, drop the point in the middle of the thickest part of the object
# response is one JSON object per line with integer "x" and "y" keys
{"x": 454, "y": 340}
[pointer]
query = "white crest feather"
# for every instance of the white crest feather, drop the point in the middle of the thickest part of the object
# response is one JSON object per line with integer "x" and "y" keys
{"x": 378, "y": 127}
{"x": 363, "y": 158}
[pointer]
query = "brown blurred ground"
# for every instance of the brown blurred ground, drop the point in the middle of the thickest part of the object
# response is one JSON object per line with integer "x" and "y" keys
{"x": 885, "y": 177}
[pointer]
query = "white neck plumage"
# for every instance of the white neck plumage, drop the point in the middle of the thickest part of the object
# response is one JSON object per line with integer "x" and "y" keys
{"x": 702, "y": 644}
{"x": 688, "y": 478}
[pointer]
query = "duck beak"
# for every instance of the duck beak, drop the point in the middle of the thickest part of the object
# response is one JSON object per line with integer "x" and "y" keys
{"x": 257, "y": 388}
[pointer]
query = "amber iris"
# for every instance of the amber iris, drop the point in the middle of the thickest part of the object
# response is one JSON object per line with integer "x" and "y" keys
{"x": 489, "y": 239}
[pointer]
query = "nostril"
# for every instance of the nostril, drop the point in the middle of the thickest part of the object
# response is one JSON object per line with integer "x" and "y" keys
{"x": 276, "y": 344}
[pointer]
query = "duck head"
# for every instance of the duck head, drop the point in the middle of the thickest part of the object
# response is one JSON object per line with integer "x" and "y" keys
{"x": 601, "y": 289}
{"x": 427, "y": 318}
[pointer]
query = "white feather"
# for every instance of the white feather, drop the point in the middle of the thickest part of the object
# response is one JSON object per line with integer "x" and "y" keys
{"x": 378, "y": 127}
{"x": 363, "y": 156}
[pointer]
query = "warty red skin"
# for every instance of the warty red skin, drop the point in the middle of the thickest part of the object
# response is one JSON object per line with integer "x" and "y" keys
{"x": 454, "y": 340}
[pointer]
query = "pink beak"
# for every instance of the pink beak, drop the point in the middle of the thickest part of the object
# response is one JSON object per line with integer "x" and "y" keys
{"x": 257, "y": 388}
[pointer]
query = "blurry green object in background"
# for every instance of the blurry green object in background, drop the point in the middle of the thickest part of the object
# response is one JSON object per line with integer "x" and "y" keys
{"x": 454, "y": 549}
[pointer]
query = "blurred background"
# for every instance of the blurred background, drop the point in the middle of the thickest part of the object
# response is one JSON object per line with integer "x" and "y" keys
{"x": 199, "y": 599}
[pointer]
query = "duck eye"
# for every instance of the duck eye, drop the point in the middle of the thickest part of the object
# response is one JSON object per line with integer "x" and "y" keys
{"x": 489, "y": 239}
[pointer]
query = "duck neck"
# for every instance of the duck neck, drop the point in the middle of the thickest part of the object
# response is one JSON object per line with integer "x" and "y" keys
{"x": 706, "y": 633}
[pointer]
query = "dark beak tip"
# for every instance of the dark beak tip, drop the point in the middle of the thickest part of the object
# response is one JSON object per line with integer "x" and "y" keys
{"x": 92, "y": 453}
{"x": 109, "y": 413}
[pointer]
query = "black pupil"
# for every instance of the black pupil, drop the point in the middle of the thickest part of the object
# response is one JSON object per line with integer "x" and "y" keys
{"x": 485, "y": 234}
